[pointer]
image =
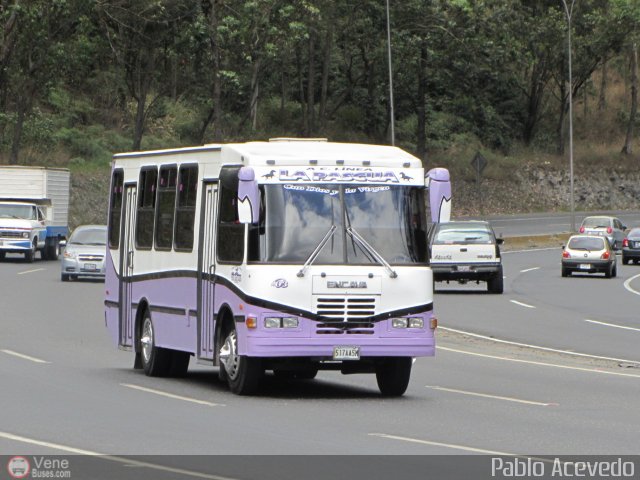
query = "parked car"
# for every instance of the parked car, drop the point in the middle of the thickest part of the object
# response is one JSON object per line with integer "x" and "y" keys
{"x": 84, "y": 253}
{"x": 466, "y": 251}
{"x": 610, "y": 227}
{"x": 589, "y": 254}
{"x": 631, "y": 247}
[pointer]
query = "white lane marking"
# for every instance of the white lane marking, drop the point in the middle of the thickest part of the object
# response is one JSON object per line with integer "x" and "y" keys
{"x": 112, "y": 458}
{"x": 529, "y": 269}
{"x": 541, "y": 364}
{"x": 24, "y": 357}
{"x": 628, "y": 282}
{"x": 445, "y": 445}
{"x": 612, "y": 325}
{"x": 171, "y": 395}
{"x": 31, "y": 271}
{"x": 494, "y": 397}
{"x": 522, "y": 304}
{"x": 546, "y": 349}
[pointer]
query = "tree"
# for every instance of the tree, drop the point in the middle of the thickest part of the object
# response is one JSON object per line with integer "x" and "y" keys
{"x": 141, "y": 33}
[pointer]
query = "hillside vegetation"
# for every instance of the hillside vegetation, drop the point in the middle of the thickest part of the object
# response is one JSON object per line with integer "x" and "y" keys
{"x": 82, "y": 79}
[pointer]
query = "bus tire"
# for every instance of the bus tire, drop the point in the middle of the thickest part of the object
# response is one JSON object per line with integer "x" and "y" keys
{"x": 179, "y": 363}
{"x": 243, "y": 373}
{"x": 156, "y": 361}
{"x": 393, "y": 374}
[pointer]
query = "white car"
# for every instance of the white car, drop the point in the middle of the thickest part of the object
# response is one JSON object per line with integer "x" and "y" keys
{"x": 466, "y": 251}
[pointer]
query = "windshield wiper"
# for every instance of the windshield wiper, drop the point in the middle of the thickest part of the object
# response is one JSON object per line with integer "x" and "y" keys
{"x": 372, "y": 251}
{"x": 317, "y": 250}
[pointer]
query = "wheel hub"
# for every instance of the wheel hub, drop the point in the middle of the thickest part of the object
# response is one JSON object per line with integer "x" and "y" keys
{"x": 147, "y": 340}
{"x": 229, "y": 355}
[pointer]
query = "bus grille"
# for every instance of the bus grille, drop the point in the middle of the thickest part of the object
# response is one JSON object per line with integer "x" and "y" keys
{"x": 345, "y": 315}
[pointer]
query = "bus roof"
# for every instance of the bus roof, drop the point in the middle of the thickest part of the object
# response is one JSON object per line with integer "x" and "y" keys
{"x": 282, "y": 152}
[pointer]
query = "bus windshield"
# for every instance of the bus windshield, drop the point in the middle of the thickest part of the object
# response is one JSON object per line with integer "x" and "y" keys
{"x": 296, "y": 218}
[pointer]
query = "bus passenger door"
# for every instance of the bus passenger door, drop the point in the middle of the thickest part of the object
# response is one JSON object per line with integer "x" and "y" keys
{"x": 127, "y": 315}
{"x": 206, "y": 272}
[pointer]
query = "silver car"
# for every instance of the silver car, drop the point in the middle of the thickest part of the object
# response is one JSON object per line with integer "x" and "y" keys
{"x": 589, "y": 254}
{"x": 610, "y": 227}
{"x": 84, "y": 253}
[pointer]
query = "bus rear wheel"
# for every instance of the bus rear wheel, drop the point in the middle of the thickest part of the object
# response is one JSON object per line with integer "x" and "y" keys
{"x": 243, "y": 374}
{"x": 393, "y": 375}
{"x": 156, "y": 361}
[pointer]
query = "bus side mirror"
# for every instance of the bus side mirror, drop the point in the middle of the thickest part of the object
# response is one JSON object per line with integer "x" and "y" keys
{"x": 248, "y": 196}
{"x": 439, "y": 184}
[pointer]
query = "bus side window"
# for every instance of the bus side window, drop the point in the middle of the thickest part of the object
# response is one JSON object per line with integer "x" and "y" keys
{"x": 186, "y": 207}
{"x": 165, "y": 207}
{"x": 230, "y": 231}
{"x": 146, "y": 207}
{"x": 115, "y": 208}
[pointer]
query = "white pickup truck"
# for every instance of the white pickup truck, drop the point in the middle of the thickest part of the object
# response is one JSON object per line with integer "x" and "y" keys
{"x": 464, "y": 251}
{"x": 34, "y": 211}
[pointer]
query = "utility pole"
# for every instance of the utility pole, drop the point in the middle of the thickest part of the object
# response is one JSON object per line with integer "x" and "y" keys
{"x": 393, "y": 133}
{"x": 569, "y": 12}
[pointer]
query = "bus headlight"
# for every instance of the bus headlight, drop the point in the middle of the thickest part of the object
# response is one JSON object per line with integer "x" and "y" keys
{"x": 272, "y": 322}
{"x": 399, "y": 322}
{"x": 416, "y": 322}
{"x": 280, "y": 322}
{"x": 289, "y": 322}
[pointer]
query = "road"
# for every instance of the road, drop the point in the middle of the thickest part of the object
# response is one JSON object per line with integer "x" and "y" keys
{"x": 548, "y": 223}
{"x": 67, "y": 390}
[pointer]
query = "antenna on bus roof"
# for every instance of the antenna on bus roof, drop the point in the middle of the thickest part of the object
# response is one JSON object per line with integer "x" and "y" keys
{"x": 291, "y": 139}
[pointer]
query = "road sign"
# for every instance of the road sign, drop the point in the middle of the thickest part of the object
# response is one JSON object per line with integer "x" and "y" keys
{"x": 478, "y": 162}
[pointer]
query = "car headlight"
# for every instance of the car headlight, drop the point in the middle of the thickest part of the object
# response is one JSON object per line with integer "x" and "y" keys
{"x": 68, "y": 254}
{"x": 25, "y": 234}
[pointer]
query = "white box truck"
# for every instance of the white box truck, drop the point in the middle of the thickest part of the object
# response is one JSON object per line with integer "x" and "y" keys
{"x": 34, "y": 210}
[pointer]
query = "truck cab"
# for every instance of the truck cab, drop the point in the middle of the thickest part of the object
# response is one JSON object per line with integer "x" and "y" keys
{"x": 23, "y": 229}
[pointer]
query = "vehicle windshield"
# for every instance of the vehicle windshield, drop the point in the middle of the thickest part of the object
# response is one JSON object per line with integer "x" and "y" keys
{"x": 596, "y": 222}
{"x": 634, "y": 234}
{"x": 391, "y": 219}
{"x": 89, "y": 236}
{"x": 586, "y": 243}
{"x": 26, "y": 212}
{"x": 466, "y": 234}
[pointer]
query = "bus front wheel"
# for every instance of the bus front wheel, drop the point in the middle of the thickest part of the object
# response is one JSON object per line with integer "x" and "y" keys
{"x": 393, "y": 375}
{"x": 156, "y": 361}
{"x": 243, "y": 374}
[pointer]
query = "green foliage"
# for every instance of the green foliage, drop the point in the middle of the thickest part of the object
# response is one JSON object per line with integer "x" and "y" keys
{"x": 87, "y": 78}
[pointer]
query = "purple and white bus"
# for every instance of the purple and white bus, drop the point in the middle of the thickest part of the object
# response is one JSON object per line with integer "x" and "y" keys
{"x": 287, "y": 256}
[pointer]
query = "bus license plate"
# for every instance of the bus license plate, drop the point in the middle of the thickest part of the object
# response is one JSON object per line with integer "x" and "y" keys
{"x": 346, "y": 353}
{"x": 585, "y": 266}
{"x": 90, "y": 266}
